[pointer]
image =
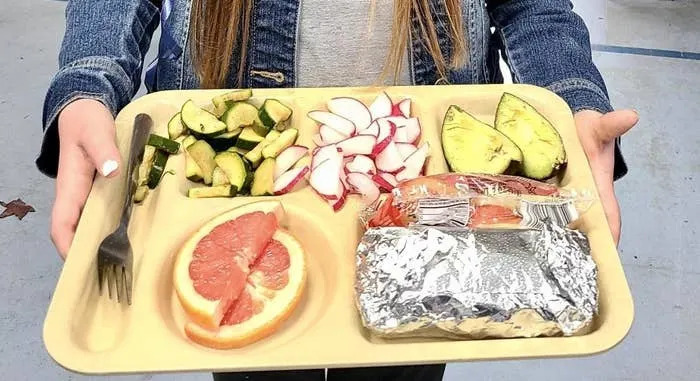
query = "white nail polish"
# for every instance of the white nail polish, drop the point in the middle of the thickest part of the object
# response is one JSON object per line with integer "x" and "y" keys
{"x": 108, "y": 167}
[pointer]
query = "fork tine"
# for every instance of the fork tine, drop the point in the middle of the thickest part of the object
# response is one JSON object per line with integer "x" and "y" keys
{"x": 110, "y": 279}
{"x": 119, "y": 282}
{"x": 127, "y": 284}
{"x": 100, "y": 277}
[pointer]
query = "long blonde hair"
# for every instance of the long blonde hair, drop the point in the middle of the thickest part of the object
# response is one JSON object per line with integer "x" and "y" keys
{"x": 220, "y": 27}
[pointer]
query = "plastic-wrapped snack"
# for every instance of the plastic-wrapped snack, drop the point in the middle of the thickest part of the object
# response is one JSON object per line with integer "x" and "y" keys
{"x": 476, "y": 201}
{"x": 461, "y": 283}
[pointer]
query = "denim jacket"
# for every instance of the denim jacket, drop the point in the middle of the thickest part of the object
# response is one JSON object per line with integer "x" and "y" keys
{"x": 102, "y": 55}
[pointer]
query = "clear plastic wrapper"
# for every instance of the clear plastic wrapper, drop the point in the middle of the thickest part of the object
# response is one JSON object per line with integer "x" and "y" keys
{"x": 477, "y": 201}
{"x": 461, "y": 283}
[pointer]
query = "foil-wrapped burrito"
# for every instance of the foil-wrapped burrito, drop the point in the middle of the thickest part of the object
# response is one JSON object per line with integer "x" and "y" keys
{"x": 460, "y": 283}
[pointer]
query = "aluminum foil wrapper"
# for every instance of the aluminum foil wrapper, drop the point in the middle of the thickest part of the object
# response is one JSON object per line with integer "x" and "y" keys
{"x": 460, "y": 283}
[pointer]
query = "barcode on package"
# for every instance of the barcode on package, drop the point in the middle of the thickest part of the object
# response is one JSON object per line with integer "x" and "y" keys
{"x": 443, "y": 212}
{"x": 535, "y": 213}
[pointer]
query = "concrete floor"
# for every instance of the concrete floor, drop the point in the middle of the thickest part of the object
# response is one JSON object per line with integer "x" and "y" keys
{"x": 659, "y": 197}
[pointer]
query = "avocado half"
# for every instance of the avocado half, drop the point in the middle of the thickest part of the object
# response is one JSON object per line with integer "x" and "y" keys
{"x": 540, "y": 143}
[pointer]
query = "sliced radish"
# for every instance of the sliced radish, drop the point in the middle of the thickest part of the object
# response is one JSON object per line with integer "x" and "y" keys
{"x": 387, "y": 130}
{"x": 385, "y": 181}
{"x": 318, "y": 140}
{"x": 287, "y": 158}
{"x": 362, "y": 164}
{"x": 352, "y": 110}
{"x": 333, "y": 121}
{"x": 414, "y": 164}
{"x": 389, "y": 159}
{"x": 325, "y": 174}
{"x": 399, "y": 121}
{"x": 286, "y": 182}
{"x": 357, "y": 145}
{"x": 409, "y": 132}
{"x": 330, "y": 136}
{"x": 322, "y": 154}
{"x": 373, "y": 129}
{"x": 339, "y": 201}
{"x": 365, "y": 186}
{"x": 406, "y": 149}
{"x": 405, "y": 107}
{"x": 381, "y": 107}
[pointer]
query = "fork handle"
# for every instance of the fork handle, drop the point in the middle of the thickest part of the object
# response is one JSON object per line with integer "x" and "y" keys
{"x": 142, "y": 128}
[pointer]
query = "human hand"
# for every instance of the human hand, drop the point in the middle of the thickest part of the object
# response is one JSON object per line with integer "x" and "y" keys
{"x": 87, "y": 142}
{"x": 597, "y": 133}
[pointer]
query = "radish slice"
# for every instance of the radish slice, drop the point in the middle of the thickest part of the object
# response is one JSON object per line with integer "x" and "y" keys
{"x": 389, "y": 159}
{"x": 286, "y": 182}
{"x": 318, "y": 140}
{"x": 381, "y": 107}
{"x": 409, "y": 132}
{"x": 352, "y": 110}
{"x": 329, "y": 135}
{"x": 383, "y": 182}
{"x": 365, "y": 186}
{"x": 373, "y": 129}
{"x": 414, "y": 164}
{"x": 333, "y": 121}
{"x": 406, "y": 149}
{"x": 322, "y": 154}
{"x": 287, "y": 158}
{"x": 358, "y": 145}
{"x": 362, "y": 164}
{"x": 325, "y": 172}
{"x": 387, "y": 130}
{"x": 405, "y": 107}
{"x": 399, "y": 121}
{"x": 340, "y": 197}
{"x": 391, "y": 179}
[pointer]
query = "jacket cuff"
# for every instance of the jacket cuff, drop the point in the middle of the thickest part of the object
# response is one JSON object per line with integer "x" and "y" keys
{"x": 95, "y": 78}
{"x": 581, "y": 94}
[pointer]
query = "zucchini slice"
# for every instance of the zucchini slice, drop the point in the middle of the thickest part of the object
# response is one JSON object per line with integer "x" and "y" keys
{"x": 286, "y": 139}
{"x": 200, "y": 121}
{"x": 473, "y": 146}
{"x": 156, "y": 172}
{"x": 273, "y": 114}
{"x": 234, "y": 168}
{"x": 202, "y": 154}
{"x": 219, "y": 177}
{"x": 264, "y": 179}
{"x": 175, "y": 127}
{"x": 222, "y": 101}
{"x": 248, "y": 139}
{"x": 163, "y": 144}
{"x": 227, "y": 190}
{"x": 149, "y": 153}
{"x": 224, "y": 141}
{"x": 192, "y": 170}
{"x": 541, "y": 144}
{"x": 240, "y": 115}
{"x": 140, "y": 194}
{"x": 255, "y": 155}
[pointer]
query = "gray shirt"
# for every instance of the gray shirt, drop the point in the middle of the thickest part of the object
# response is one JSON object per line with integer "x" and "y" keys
{"x": 339, "y": 47}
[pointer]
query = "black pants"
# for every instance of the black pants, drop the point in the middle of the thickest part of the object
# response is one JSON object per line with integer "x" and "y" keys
{"x": 398, "y": 373}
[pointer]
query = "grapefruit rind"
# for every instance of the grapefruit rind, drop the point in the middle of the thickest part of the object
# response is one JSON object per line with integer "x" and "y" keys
{"x": 208, "y": 313}
{"x": 274, "y": 313}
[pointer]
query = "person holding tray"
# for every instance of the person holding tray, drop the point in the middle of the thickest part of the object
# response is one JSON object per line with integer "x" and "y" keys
{"x": 310, "y": 43}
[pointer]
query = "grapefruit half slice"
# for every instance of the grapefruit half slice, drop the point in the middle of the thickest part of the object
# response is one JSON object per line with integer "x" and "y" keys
{"x": 272, "y": 292}
{"x": 212, "y": 266}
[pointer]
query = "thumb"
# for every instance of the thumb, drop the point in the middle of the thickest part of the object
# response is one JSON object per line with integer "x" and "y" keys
{"x": 616, "y": 123}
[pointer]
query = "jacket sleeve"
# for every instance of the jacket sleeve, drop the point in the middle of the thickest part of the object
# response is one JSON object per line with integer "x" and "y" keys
{"x": 546, "y": 44}
{"x": 101, "y": 58}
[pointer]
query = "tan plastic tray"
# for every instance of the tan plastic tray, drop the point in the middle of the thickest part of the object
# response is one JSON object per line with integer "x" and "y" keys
{"x": 89, "y": 333}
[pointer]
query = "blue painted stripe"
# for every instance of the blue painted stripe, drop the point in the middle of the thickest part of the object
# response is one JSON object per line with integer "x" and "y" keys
{"x": 646, "y": 52}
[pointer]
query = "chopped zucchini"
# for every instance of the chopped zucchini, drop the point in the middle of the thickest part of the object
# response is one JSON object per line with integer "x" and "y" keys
{"x": 240, "y": 115}
{"x": 188, "y": 141}
{"x": 149, "y": 153}
{"x": 192, "y": 170}
{"x": 140, "y": 194}
{"x": 273, "y": 114}
{"x": 255, "y": 155}
{"x": 175, "y": 127}
{"x": 248, "y": 139}
{"x": 224, "y": 141}
{"x": 473, "y": 146}
{"x": 250, "y": 175}
{"x": 227, "y": 190}
{"x": 286, "y": 139}
{"x": 238, "y": 150}
{"x": 200, "y": 121}
{"x": 541, "y": 144}
{"x": 234, "y": 168}
{"x": 156, "y": 172}
{"x": 263, "y": 180}
{"x": 163, "y": 144}
{"x": 219, "y": 177}
{"x": 203, "y": 155}
{"x": 222, "y": 101}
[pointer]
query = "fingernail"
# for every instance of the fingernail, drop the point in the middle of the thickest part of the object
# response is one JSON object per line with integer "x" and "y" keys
{"x": 109, "y": 167}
